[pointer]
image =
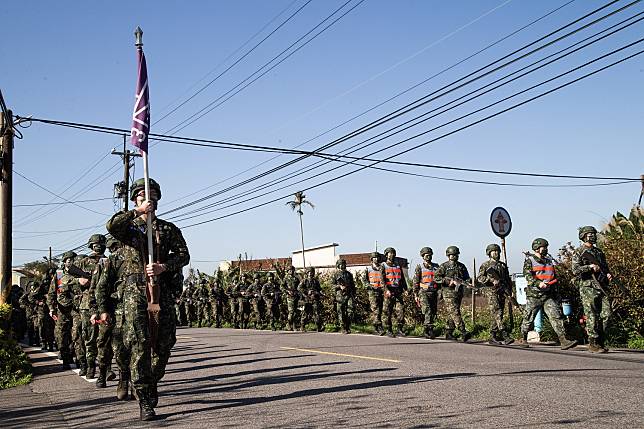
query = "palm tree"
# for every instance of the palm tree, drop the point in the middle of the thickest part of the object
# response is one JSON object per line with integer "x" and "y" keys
{"x": 296, "y": 204}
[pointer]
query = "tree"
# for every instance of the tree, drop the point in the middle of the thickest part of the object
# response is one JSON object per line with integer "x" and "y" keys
{"x": 297, "y": 203}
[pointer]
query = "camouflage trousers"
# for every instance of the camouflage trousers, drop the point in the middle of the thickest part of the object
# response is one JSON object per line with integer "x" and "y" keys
{"x": 121, "y": 354}
{"x": 63, "y": 333}
{"x": 291, "y": 305}
{"x": 189, "y": 313}
{"x": 428, "y": 306}
{"x": 312, "y": 310}
{"x": 45, "y": 325}
{"x": 234, "y": 312}
{"x": 89, "y": 334}
{"x": 376, "y": 300}
{"x": 77, "y": 337}
{"x": 257, "y": 315}
{"x": 551, "y": 307}
{"x": 452, "y": 302}
{"x": 342, "y": 308}
{"x": 217, "y": 311}
{"x": 597, "y": 310}
{"x": 243, "y": 310}
{"x": 273, "y": 311}
{"x": 104, "y": 343}
{"x": 496, "y": 305}
{"x": 391, "y": 303}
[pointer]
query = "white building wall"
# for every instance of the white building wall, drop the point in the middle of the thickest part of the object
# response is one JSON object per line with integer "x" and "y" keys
{"x": 319, "y": 256}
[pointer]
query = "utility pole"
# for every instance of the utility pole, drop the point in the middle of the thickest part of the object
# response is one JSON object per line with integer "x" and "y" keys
{"x": 122, "y": 188}
{"x": 6, "y": 198}
{"x": 639, "y": 203}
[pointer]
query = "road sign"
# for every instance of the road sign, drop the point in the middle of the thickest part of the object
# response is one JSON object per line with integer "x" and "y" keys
{"x": 501, "y": 222}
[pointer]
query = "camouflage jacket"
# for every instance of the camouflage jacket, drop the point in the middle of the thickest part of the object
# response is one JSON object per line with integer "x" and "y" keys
{"x": 310, "y": 290}
{"x": 451, "y": 270}
{"x": 290, "y": 285}
{"x": 91, "y": 264}
{"x": 62, "y": 297}
{"x": 170, "y": 249}
{"x": 348, "y": 281}
{"x": 255, "y": 290}
{"x": 271, "y": 291}
{"x": 109, "y": 288}
{"x": 485, "y": 280}
{"x": 584, "y": 271}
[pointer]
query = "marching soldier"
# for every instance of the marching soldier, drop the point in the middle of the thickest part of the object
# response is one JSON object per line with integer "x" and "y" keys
{"x": 345, "y": 289}
{"x": 42, "y": 320}
{"x": 234, "y": 294}
{"x": 272, "y": 296}
{"x": 542, "y": 292}
{"x": 186, "y": 302}
{"x": 149, "y": 341}
{"x": 32, "y": 331}
{"x": 395, "y": 285}
{"x": 452, "y": 276}
{"x": 426, "y": 290}
{"x": 375, "y": 281}
{"x": 243, "y": 303}
{"x": 217, "y": 298}
{"x": 255, "y": 297}
{"x": 593, "y": 277}
{"x": 60, "y": 300}
{"x": 495, "y": 278}
{"x": 291, "y": 285}
{"x": 311, "y": 293}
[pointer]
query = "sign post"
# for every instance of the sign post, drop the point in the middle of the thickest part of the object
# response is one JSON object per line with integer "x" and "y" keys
{"x": 501, "y": 226}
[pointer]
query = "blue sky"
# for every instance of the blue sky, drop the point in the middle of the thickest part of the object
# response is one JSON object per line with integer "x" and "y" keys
{"x": 75, "y": 61}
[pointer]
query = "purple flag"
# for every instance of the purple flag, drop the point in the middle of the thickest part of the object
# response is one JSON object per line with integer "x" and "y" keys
{"x": 141, "y": 115}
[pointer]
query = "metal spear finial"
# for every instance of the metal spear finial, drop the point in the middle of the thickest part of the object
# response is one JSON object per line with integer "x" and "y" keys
{"x": 138, "y": 34}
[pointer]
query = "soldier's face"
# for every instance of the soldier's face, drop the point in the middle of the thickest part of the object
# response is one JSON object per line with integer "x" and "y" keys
{"x": 543, "y": 251}
{"x": 453, "y": 257}
{"x": 495, "y": 254}
{"x": 591, "y": 237}
{"x": 114, "y": 248}
{"x": 98, "y": 248}
{"x": 68, "y": 263}
{"x": 391, "y": 255}
{"x": 374, "y": 260}
{"x": 343, "y": 266}
{"x": 154, "y": 197}
{"x": 427, "y": 257}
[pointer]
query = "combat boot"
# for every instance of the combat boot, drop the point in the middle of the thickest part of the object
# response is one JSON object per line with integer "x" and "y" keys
{"x": 507, "y": 339}
{"x": 111, "y": 375}
{"x": 493, "y": 341}
{"x": 102, "y": 375}
{"x": 154, "y": 395}
{"x": 523, "y": 341}
{"x": 593, "y": 347}
{"x": 390, "y": 333}
{"x": 400, "y": 332}
{"x": 147, "y": 410}
{"x": 379, "y": 330}
{"x": 83, "y": 369}
{"x": 91, "y": 370}
{"x": 50, "y": 347}
{"x": 449, "y": 335}
{"x": 566, "y": 343}
{"x": 66, "y": 364}
{"x": 122, "y": 388}
{"x": 466, "y": 336}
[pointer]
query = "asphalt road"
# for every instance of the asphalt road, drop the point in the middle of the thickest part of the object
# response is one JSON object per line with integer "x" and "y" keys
{"x": 233, "y": 378}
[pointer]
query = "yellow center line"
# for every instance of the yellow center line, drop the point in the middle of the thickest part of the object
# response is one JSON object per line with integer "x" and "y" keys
{"x": 340, "y": 354}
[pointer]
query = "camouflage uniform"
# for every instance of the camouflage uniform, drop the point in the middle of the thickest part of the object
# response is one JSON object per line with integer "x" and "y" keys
{"x": 395, "y": 285}
{"x": 217, "y": 298}
{"x": 453, "y": 294}
{"x": 539, "y": 270}
{"x": 373, "y": 278}
{"x": 77, "y": 325}
{"x": 88, "y": 308}
{"x": 28, "y": 308}
{"x": 255, "y": 296}
{"x": 201, "y": 297}
{"x": 495, "y": 293}
{"x": 233, "y": 297}
{"x": 426, "y": 291}
{"x": 186, "y": 302}
{"x": 242, "y": 292}
{"x": 272, "y": 295}
{"x": 597, "y": 306}
{"x": 170, "y": 250}
{"x": 61, "y": 301}
{"x": 43, "y": 322}
{"x": 345, "y": 290}
{"x": 18, "y": 318}
{"x": 310, "y": 291}
{"x": 290, "y": 285}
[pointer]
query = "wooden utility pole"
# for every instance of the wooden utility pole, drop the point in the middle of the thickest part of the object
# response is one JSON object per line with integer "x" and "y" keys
{"x": 474, "y": 292}
{"x": 126, "y": 155}
{"x": 6, "y": 198}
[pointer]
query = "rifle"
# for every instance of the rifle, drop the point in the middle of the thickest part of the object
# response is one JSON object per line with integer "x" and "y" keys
{"x": 79, "y": 273}
{"x": 460, "y": 283}
{"x": 494, "y": 275}
{"x": 587, "y": 258}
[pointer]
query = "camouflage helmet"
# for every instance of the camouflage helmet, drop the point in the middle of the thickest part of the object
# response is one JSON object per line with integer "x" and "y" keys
{"x": 311, "y": 270}
{"x": 426, "y": 250}
{"x": 256, "y": 275}
{"x": 96, "y": 239}
{"x": 586, "y": 230}
{"x": 452, "y": 250}
{"x": 111, "y": 242}
{"x": 68, "y": 255}
{"x": 339, "y": 262}
{"x": 374, "y": 255}
{"x": 539, "y": 242}
{"x": 139, "y": 185}
{"x": 389, "y": 249}
{"x": 491, "y": 247}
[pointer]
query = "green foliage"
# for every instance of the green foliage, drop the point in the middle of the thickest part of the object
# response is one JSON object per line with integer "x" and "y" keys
{"x": 15, "y": 369}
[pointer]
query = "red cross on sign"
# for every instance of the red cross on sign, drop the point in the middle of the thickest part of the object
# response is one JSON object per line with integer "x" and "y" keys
{"x": 500, "y": 222}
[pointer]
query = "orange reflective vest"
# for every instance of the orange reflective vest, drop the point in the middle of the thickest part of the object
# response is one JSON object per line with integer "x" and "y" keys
{"x": 375, "y": 277}
{"x": 393, "y": 274}
{"x": 427, "y": 278}
{"x": 544, "y": 272}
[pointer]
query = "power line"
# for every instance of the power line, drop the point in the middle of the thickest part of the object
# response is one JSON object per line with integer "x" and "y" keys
{"x": 65, "y": 202}
{"x": 432, "y": 140}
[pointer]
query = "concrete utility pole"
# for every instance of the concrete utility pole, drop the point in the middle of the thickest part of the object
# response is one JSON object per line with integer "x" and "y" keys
{"x": 124, "y": 186}
{"x": 6, "y": 185}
